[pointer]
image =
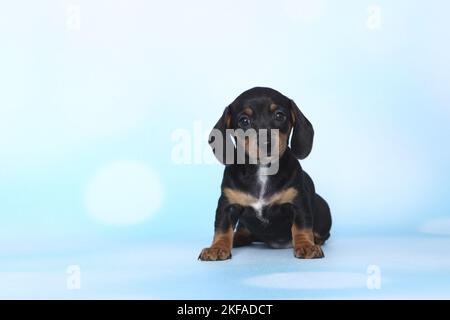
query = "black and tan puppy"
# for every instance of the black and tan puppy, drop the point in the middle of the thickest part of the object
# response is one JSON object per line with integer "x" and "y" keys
{"x": 281, "y": 209}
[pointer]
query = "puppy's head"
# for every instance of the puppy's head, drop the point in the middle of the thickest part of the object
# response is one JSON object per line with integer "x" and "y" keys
{"x": 262, "y": 120}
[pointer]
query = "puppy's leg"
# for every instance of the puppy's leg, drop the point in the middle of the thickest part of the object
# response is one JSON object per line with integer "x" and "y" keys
{"x": 303, "y": 237}
{"x": 226, "y": 218}
{"x": 220, "y": 248}
{"x": 242, "y": 237}
{"x": 322, "y": 220}
{"x": 303, "y": 243}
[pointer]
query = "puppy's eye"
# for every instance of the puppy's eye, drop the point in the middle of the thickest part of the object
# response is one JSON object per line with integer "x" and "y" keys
{"x": 244, "y": 122}
{"x": 280, "y": 116}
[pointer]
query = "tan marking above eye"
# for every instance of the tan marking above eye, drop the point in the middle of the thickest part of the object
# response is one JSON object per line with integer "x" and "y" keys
{"x": 273, "y": 107}
{"x": 248, "y": 111}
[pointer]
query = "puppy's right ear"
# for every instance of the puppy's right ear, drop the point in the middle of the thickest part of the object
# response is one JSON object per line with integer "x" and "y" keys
{"x": 302, "y": 135}
{"x": 220, "y": 140}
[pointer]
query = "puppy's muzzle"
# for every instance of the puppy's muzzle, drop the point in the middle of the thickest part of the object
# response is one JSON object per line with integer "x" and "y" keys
{"x": 266, "y": 147}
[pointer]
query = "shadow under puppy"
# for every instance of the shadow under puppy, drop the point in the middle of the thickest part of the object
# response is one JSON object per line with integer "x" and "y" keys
{"x": 281, "y": 209}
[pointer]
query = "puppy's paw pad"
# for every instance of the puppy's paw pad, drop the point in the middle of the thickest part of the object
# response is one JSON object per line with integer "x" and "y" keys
{"x": 214, "y": 254}
{"x": 308, "y": 252}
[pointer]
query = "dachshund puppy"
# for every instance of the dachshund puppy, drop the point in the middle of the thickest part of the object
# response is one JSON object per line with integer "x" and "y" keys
{"x": 278, "y": 207}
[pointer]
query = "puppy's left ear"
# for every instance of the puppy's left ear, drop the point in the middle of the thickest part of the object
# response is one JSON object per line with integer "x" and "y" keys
{"x": 303, "y": 134}
{"x": 221, "y": 141}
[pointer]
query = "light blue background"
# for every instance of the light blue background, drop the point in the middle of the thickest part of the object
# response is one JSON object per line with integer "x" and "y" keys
{"x": 74, "y": 101}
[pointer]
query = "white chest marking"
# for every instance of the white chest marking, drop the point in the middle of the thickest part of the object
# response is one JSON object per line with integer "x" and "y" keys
{"x": 261, "y": 202}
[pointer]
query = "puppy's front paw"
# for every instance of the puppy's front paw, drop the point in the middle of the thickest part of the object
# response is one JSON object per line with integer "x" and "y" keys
{"x": 214, "y": 254}
{"x": 308, "y": 251}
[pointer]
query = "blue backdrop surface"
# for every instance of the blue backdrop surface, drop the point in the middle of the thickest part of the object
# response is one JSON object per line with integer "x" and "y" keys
{"x": 96, "y": 96}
